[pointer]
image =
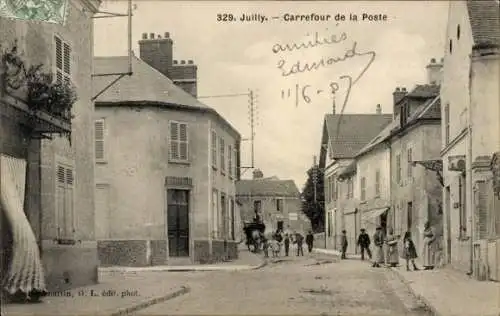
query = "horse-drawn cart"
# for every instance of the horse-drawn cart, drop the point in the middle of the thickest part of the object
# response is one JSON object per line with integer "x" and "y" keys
{"x": 254, "y": 231}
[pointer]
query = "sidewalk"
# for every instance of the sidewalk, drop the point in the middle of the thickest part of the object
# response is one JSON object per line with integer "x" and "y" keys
{"x": 451, "y": 293}
{"x": 121, "y": 297}
{"x": 445, "y": 291}
{"x": 246, "y": 261}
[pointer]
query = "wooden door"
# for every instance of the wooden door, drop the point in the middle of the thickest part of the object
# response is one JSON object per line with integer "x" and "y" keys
{"x": 178, "y": 222}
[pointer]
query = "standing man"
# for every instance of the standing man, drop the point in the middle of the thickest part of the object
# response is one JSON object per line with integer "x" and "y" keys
{"x": 364, "y": 244}
{"x": 287, "y": 244}
{"x": 310, "y": 241}
{"x": 343, "y": 242}
{"x": 299, "y": 239}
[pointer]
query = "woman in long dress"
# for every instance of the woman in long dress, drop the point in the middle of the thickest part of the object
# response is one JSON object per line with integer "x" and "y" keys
{"x": 429, "y": 244}
{"x": 392, "y": 248}
{"x": 378, "y": 251}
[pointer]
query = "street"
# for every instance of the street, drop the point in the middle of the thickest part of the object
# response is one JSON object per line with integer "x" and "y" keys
{"x": 313, "y": 284}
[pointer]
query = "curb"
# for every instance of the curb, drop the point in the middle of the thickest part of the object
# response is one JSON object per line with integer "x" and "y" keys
{"x": 152, "y": 301}
{"x": 417, "y": 295}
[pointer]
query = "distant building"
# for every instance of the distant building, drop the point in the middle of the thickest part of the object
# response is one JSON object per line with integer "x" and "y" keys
{"x": 470, "y": 137}
{"x": 343, "y": 136}
{"x": 166, "y": 166}
{"x": 277, "y": 202}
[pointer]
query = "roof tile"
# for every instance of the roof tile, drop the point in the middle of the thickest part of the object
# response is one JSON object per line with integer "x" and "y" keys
{"x": 267, "y": 187}
{"x": 484, "y": 16}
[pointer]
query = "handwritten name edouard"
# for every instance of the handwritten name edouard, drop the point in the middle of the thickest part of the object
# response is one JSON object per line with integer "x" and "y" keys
{"x": 292, "y": 17}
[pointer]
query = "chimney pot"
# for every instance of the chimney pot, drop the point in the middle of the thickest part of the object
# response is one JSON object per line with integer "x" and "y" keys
{"x": 403, "y": 89}
{"x": 183, "y": 62}
{"x": 159, "y": 36}
{"x": 175, "y": 62}
{"x": 151, "y": 35}
{"x": 442, "y": 60}
{"x": 433, "y": 60}
{"x": 397, "y": 89}
{"x": 144, "y": 35}
{"x": 379, "y": 109}
{"x": 190, "y": 62}
{"x": 167, "y": 35}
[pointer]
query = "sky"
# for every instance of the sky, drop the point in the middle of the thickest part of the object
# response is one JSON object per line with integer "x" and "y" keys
{"x": 234, "y": 57}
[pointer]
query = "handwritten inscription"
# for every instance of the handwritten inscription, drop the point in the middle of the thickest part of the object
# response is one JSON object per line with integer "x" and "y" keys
{"x": 307, "y": 93}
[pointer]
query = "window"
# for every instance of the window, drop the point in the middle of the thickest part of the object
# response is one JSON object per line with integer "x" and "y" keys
{"x": 462, "y": 206}
{"x": 223, "y": 219}
{"x": 62, "y": 63}
{"x": 178, "y": 141}
{"x": 215, "y": 214}
{"x": 409, "y": 217}
{"x": 99, "y": 140}
{"x": 363, "y": 188}
{"x": 410, "y": 165}
{"x": 64, "y": 202}
{"x": 350, "y": 188}
{"x": 337, "y": 188}
{"x": 451, "y": 46}
{"x": 230, "y": 160}
{"x": 231, "y": 219}
{"x": 447, "y": 124}
{"x": 377, "y": 183}
{"x": 279, "y": 205}
{"x": 222, "y": 155}
{"x": 458, "y": 32}
{"x": 398, "y": 169}
{"x": 214, "y": 149}
{"x": 235, "y": 162}
{"x": 330, "y": 224}
{"x": 257, "y": 206}
{"x": 327, "y": 189}
{"x": 280, "y": 225}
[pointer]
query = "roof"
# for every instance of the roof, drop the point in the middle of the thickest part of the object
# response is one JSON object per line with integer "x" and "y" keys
{"x": 146, "y": 86}
{"x": 354, "y": 131}
{"x": 424, "y": 91}
{"x": 484, "y": 16}
{"x": 430, "y": 109}
{"x": 267, "y": 187}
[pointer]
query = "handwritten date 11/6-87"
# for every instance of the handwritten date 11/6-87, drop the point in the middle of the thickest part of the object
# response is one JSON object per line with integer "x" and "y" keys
{"x": 306, "y": 93}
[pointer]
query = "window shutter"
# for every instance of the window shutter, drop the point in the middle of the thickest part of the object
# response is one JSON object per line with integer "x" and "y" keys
{"x": 99, "y": 139}
{"x": 214, "y": 149}
{"x": 59, "y": 53}
{"x": 68, "y": 207}
{"x": 410, "y": 159}
{"x": 222, "y": 154}
{"x": 230, "y": 160}
{"x": 174, "y": 140}
{"x": 183, "y": 141}
{"x": 67, "y": 59}
{"x": 482, "y": 210}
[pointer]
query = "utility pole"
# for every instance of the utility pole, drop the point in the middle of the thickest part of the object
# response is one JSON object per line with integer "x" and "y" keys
{"x": 251, "y": 112}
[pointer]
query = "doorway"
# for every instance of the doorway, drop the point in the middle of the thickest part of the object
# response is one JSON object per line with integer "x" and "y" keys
{"x": 383, "y": 222}
{"x": 178, "y": 222}
{"x": 447, "y": 201}
{"x": 280, "y": 226}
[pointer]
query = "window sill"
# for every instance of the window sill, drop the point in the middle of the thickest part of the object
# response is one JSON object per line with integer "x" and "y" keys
{"x": 66, "y": 242}
{"x": 101, "y": 162}
{"x": 180, "y": 162}
{"x": 463, "y": 238}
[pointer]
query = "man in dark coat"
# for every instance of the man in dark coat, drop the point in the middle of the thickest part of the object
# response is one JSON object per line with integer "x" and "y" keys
{"x": 343, "y": 243}
{"x": 364, "y": 244}
{"x": 310, "y": 241}
{"x": 299, "y": 239}
{"x": 287, "y": 244}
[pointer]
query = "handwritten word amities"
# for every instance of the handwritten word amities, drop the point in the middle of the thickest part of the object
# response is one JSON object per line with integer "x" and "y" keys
{"x": 299, "y": 67}
{"x": 316, "y": 40}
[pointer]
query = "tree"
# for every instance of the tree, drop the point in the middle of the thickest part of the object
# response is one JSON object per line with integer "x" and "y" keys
{"x": 314, "y": 209}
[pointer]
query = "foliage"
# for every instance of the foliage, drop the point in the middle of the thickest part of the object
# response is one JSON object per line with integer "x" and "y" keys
{"x": 45, "y": 94}
{"x": 314, "y": 209}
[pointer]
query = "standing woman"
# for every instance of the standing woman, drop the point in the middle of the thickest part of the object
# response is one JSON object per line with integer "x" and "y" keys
{"x": 378, "y": 252}
{"x": 392, "y": 248}
{"x": 429, "y": 242}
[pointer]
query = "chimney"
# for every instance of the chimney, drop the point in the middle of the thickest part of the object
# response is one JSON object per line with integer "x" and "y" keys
{"x": 397, "y": 96}
{"x": 183, "y": 62}
{"x": 257, "y": 174}
{"x": 379, "y": 109}
{"x": 434, "y": 72}
{"x": 157, "y": 52}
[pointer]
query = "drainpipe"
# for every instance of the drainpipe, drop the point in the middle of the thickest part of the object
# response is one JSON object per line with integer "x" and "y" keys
{"x": 469, "y": 172}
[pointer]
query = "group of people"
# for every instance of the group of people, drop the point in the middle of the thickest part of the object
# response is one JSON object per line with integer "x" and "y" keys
{"x": 391, "y": 241}
{"x": 280, "y": 238}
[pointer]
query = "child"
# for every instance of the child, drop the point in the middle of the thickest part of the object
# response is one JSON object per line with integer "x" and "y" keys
{"x": 275, "y": 245}
{"x": 410, "y": 252}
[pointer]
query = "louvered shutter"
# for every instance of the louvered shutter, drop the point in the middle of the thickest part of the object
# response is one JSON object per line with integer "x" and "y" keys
{"x": 99, "y": 140}
{"x": 482, "y": 210}
{"x": 222, "y": 154}
{"x": 60, "y": 200}
{"x": 68, "y": 205}
{"x": 174, "y": 140}
{"x": 59, "y": 59}
{"x": 230, "y": 160}
{"x": 183, "y": 141}
{"x": 67, "y": 63}
{"x": 214, "y": 149}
